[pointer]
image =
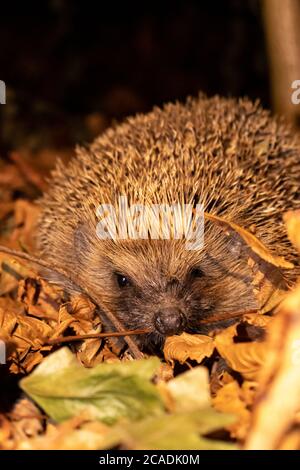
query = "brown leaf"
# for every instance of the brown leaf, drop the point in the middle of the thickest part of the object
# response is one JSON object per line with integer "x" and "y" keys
{"x": 85, "y": 321}
{"x": 11, "y": 272}
{"x": 252, "y": 242}
{"x": 44, "y": 316}
{"x": 257, "y": 319}
{"x": 26, "y": 418}
{"x": 18, "y": 228}
{"x": 27, "y": 334}
{"x": 269, "y": 284}
{"x": 245, "y": 358}
{"x": 26, "y": 322}
{"x": 41, "y": 299}
{"x": 279, "y": 382}
{"x": 292, "y": 221}
{"x": 25, "y": 218}
{"x": 186, "y": 346}
{"x": 230, "y": 399}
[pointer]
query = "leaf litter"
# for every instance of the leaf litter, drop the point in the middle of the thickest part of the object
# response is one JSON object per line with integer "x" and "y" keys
{"x": 225, "y": 390}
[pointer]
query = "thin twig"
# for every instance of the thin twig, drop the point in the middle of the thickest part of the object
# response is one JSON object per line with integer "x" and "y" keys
{"x": 18, "y": 417}
{"x": 67, "y": 339}
{"x": 227, "y": 316}
{"x": 30, "y": 258}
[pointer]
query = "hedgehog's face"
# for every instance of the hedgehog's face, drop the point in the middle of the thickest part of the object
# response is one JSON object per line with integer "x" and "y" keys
{"x": 160, "y": 286}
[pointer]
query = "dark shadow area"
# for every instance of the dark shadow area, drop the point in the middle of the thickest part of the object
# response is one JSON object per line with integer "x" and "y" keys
{"x": 73, "y": 67}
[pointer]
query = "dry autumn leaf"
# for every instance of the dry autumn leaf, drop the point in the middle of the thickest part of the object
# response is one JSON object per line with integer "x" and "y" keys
{"x": 186, "y": 346}
{"x": 18, "y": 229}
{"x": 39, "y": 313}
{"x": 33, "y": 311}
{"x": 11, "y": 272}
{"x": 245, "y": 358}
{"x": 292, "y": 221}
{"x": 257, "y": 319}
{"x": 273, "y": 416}
{"x": 81, "y": 316}
{"x": 27, "y": 420}
{"x": 230, "y": 399}
{"x": 25, "y": 219}
{"x": 252, "y": 242}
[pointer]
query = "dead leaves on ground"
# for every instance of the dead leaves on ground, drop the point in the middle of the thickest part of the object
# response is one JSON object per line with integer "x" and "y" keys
{"x": 275, "y": 421}
{"x": 32, "y": 311}
{"x": 39, "y": 314}
{"x": 277, "y": 400}
{"x": 17, "y": 224}
{"x": 95, "y": 398}
{"x": 242, "y": 363}
{"x": 111, "y": 405}
{"x": 184, "y": 347}
{"x": 245, "y": 357}
{"x": 265, "y": 394}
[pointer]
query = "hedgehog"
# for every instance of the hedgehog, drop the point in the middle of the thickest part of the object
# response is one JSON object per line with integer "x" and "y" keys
{"x": 231, "y": 156}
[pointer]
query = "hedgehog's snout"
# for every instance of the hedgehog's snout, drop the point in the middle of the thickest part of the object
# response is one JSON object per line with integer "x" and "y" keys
{"x": 169, "y": 321}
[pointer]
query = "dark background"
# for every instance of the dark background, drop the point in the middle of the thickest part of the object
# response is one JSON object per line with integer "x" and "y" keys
{"x": 71, "y": 67}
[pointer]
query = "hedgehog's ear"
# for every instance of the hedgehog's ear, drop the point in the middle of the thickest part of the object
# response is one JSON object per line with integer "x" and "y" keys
{"x": 81, "y": 239}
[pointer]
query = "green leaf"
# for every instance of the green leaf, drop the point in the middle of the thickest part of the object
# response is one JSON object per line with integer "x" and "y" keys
{"x": 108, "y": 392}
{"x": 177, "y": 431}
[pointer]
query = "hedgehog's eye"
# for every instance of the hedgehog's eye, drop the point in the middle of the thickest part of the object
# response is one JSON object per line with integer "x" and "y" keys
{"x": 122, "y": 280}
{"x": 197, "y": 273}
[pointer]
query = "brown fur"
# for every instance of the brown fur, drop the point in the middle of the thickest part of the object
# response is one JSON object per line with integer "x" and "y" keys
{"x": 229, "y": 155}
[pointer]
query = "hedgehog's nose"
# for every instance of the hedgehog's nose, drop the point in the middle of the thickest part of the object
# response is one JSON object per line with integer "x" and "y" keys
{"x": 169, "y": 321}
